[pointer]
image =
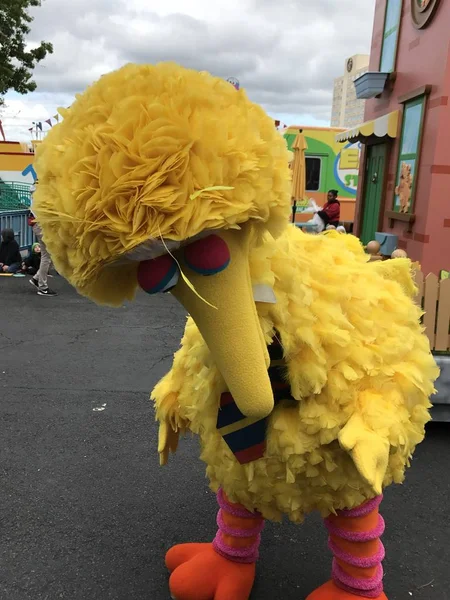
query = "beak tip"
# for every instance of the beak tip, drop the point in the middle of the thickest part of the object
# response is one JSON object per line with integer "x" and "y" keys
{"x": 258, "y": 410}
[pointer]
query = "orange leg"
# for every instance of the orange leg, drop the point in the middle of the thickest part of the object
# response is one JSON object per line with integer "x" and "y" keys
{"x": 358, "y": 552}
{"x": 225, "y": 569}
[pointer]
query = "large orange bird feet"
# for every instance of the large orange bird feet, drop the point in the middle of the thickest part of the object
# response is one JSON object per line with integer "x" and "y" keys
{"x": 199, "y": 573}
{"x": 330, "y": 591}
{"x": 225, "y": 569}
{"x": 358, "y": 552}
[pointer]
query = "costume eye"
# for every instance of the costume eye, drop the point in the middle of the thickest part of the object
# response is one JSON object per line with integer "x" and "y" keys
{"x": 158, "y": 274}
{"x": 207, "y": 256}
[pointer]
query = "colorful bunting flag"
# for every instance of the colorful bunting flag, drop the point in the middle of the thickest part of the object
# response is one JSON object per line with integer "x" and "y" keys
{"x": 49, "y": 121}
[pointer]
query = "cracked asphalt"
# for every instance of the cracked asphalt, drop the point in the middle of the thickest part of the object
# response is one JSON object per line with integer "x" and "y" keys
{"x": 85, "y": 510}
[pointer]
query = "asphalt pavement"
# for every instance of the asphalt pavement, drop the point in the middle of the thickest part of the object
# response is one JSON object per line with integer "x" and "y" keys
{"x": 86, "y": 513}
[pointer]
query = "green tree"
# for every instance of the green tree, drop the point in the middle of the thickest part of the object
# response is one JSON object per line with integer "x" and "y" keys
{"x": 16, "y": 61}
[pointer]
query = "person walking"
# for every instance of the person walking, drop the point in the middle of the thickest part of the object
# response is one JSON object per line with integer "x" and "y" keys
{"x": 39, "y": 280}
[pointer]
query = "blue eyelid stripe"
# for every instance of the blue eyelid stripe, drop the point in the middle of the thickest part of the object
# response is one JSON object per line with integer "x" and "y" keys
{"x": 208, "y": 271}
{"x": 164, "y": 281}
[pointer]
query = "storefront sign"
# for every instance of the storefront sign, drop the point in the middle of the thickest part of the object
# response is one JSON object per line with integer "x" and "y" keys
{"x": 346, "y": 168}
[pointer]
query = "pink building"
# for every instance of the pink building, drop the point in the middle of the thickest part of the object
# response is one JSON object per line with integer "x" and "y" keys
{"x": 405, "y": 168}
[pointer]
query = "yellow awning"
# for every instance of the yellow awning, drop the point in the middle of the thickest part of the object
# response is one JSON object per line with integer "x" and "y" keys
{"x": 385, "y": 126}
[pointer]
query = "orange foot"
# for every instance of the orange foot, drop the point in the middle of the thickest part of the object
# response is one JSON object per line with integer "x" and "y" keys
{"x": 199, "y": 573}
{"x": 330, "y": 591}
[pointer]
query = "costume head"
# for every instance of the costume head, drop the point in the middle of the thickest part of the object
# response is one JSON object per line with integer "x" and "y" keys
{"x": 152, "y": 159}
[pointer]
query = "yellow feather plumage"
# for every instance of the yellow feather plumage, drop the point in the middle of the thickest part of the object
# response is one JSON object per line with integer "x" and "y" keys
{"x": 354, "y": 349}
{"x": 125, "y": 166}
{"x": 125, "y": 163}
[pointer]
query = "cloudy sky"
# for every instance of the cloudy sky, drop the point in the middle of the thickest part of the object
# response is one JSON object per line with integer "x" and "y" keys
{"x": 285, "y": 53}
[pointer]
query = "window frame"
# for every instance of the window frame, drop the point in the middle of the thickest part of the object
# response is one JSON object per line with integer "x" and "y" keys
{"x": 420, "y": 99}
{"x": 384, "y": 36}
{"x": 319, "y": 158}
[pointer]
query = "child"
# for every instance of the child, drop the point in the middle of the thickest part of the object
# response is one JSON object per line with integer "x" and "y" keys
{"x": 10, "y": 257}
{"x": 33, "y": 261}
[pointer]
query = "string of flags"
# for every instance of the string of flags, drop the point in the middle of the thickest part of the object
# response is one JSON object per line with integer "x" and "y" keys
{"x": 38, "y": 125}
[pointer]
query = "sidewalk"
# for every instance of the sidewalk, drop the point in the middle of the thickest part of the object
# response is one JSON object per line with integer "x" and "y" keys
{"x": 441, "y": 408}
{"x": 87, "y": 513}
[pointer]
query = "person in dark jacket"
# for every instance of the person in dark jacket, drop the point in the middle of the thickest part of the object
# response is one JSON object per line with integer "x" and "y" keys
{"x": 331, "y": 211}
{"x": 10, "y": 257}
{"x": 32, "y": 262}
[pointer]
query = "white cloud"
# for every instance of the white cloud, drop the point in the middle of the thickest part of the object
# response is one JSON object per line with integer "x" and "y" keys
{"x": 286, "y": 53}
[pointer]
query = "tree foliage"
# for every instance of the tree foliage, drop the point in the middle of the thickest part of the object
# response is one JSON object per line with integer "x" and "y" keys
{"x": 17, "y": 62}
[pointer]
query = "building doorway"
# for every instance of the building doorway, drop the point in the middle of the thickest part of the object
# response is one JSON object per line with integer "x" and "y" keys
{"x": 373, "y": 191}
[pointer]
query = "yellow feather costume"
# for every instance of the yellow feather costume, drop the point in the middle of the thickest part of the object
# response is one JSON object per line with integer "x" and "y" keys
{"x": 355, "y": 356}
{"x": 150, "y": 160}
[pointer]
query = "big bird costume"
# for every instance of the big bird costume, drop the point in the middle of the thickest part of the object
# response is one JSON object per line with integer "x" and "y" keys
{"x": 303, "y": 369}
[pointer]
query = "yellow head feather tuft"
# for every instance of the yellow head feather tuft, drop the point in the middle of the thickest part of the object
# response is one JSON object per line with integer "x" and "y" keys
{"x": 130, "y": 158}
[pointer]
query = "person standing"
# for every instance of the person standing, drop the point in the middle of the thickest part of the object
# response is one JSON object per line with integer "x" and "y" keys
{"x": 39, "y": 280}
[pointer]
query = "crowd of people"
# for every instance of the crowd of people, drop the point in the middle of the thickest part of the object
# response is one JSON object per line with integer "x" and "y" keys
{"x": 11, "y": 260}
{"x": 37, "y": 263}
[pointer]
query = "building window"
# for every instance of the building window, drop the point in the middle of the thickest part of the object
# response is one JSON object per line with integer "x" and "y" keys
{"x": 313, "y": 172}
{"x": 390, "y": 35}
{"x": 413, "y": 117}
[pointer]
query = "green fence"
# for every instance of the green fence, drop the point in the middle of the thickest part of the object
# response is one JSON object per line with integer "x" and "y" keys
{"x": 14, "y": 196}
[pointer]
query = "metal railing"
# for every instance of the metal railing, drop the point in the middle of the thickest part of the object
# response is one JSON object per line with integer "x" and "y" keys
{"x": 17, "y": 220}
{"x": 14, "y": 196}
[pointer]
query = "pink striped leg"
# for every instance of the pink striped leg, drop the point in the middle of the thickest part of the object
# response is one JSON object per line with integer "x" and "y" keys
{"x": 358, "y": 552}
{"x": 224, "y": 569}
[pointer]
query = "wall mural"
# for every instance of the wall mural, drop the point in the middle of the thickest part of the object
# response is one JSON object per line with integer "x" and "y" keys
{"x": 404, "y": 189}
{"x": 409, "y": 155}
